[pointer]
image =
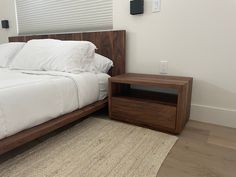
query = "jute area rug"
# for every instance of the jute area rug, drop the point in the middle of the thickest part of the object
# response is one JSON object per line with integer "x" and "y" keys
{"x": 94, "y": 148}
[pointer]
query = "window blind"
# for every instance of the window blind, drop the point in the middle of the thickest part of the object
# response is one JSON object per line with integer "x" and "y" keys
{"x": 44, "y": 16}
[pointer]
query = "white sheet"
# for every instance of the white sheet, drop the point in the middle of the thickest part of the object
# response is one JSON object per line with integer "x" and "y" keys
{"x": 29, "y": 98}
{"x": 103, "y": 85}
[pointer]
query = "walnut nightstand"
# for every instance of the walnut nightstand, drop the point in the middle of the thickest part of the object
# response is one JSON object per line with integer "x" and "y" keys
{"x": 154, "y": 109}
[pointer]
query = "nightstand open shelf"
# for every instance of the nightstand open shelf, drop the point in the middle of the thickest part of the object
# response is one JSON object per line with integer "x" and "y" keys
{"x": 154, "y": 109}
{"x": 149, "y": 97}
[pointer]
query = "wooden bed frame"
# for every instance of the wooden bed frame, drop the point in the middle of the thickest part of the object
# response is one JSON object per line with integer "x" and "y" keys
{"x": 110, "y": 44}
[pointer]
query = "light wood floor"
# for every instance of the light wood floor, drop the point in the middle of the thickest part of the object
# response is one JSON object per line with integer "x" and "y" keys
{"x": 203, "y": 150}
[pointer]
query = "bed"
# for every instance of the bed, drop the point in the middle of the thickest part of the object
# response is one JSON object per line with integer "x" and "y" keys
{"x": 46, "y": 111}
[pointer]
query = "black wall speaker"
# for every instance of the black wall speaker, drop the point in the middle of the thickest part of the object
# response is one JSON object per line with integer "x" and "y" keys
{"x": 136, "y": 7}
{"x": 5, "y": 24}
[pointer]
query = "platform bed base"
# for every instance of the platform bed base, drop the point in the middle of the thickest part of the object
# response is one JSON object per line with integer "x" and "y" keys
{"x": 28, "y": 135}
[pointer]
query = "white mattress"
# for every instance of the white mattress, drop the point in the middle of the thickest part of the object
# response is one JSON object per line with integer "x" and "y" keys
{"x": 28, "y": 98}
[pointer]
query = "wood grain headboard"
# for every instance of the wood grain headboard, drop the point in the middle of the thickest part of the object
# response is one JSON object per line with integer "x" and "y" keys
{"x": 109, "y": 43}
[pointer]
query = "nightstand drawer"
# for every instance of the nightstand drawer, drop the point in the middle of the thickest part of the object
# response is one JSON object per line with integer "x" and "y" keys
{"x": 145, "y": 112}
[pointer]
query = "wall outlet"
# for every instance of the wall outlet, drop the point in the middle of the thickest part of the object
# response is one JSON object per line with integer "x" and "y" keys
{"x": 163, "y": 67}
{"x": 156, "y": 6}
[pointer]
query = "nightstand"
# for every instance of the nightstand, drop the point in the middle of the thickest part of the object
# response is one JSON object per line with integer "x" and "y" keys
{"x": 160, "y": 110}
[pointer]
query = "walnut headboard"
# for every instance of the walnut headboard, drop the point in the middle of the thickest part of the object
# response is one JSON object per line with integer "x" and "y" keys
{"x": 109, "y": 43}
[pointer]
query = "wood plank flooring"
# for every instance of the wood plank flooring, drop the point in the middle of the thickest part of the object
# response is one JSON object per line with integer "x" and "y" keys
{"x": 203, "y": 150}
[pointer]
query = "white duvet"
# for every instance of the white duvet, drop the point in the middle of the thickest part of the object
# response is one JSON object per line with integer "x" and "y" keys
{"x": 28, "y": 98}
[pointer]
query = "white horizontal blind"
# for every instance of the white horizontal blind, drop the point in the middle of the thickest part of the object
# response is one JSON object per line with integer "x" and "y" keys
{"x": 47, "y": 16}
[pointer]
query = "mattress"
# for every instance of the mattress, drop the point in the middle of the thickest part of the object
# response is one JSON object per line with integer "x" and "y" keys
{"x": 30, "y": 98}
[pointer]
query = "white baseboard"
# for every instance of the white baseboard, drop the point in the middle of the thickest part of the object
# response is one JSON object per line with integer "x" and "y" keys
{"x": 213, "y": 115}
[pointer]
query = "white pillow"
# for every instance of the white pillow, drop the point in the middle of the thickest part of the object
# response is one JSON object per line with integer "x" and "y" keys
{"x": 8, "y": 51}
{"x": 55, "y": 55}
{"x": 102, "y": 64}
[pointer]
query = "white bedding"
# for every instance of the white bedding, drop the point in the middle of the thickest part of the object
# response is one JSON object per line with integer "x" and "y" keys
{"x": 29, "y": 98}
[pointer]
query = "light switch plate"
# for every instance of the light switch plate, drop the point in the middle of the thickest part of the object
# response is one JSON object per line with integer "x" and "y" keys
{"x": 156, "y": 6}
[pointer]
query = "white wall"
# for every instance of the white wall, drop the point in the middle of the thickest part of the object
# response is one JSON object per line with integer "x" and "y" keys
{"x": 197, "y": 37}
{"x": 7, "y": 12}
